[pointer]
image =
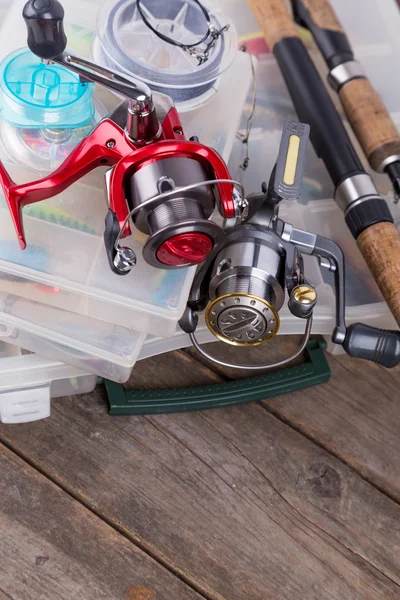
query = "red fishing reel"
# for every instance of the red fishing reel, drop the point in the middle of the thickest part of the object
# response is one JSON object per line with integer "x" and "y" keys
{"x": 168, "y": 185}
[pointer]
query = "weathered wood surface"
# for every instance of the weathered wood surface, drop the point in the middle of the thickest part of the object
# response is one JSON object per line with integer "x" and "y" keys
{"x": 356, "y": 416}
{"x": 53, "y": 548}
{"x": 234, "y": 500}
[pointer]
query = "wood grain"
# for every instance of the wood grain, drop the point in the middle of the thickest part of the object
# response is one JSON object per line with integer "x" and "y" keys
{"x": 323, "y": 14}
{"x": 51, "y": 547}
{"x": 241, "y": 504}
{"x": 355, "y": 417}
{"x": 380, "y": 246}
{"x": 370, "y": 120}
{"x": 274, "y": 19}
{"x": 174, "y": 369}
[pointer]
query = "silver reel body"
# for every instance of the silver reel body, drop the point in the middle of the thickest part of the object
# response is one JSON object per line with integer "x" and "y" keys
{"x": 247, "y": 287}
{"x": 244, "y": 286}
{"x": 249, "y": 279}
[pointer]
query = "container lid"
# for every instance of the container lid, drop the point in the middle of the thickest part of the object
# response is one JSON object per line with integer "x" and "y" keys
{"x": 36, "y": 95}
{"x": 88, "y": 344}
{"x": 127, "y": 43}
{"x": 18, "y": 370}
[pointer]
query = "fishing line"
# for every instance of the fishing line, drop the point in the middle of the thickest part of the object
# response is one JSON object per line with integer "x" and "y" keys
{"x": 245, "y": 138}
{"x": 212, "y": 34}
{"x": 127, "y": 42}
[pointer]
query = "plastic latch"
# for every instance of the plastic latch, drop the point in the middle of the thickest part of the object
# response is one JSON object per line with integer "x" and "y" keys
{"x": 313, "y": 372}
{"x": 6, "y": 330}
{"x": 25, "y": 405}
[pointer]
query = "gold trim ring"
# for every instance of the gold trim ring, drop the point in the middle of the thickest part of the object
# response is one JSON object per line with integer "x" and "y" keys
{"x": 222, "y": 301}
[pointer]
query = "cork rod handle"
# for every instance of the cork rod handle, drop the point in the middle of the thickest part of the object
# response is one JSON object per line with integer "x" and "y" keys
{"x": 372, "y": 123}
{"x": 380, "y": 246}
{"x": 323, "y": 15}
{"x": 367, "y": 114}
{"x": 274, "y": 19}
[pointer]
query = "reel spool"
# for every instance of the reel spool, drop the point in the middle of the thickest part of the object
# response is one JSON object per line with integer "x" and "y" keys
{"x": 45, "y": 111}
{"x": 247, "y": 288}
{"x": 178, "y": 226}
{"x": 126, "y": 44}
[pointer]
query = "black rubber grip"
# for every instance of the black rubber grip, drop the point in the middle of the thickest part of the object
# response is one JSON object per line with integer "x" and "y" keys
{"x": 377, "y": 345}
{"x": 315, "y": 107}
{"x": 393, "y": 170}
{"x": 44, "y": 21}
{"x": 367, "y": 213}
{"x": 334, "y": 45}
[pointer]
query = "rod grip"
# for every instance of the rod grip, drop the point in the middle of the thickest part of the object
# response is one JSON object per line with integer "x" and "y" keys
{"x": 274, "y": 19}
{"x": 380, "y": 246}
{"x": 371, "y": 121}
{"x": 323, "y": 15}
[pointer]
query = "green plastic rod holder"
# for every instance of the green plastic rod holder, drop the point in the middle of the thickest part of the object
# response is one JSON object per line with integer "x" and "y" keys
{"x": 314, "y": 371}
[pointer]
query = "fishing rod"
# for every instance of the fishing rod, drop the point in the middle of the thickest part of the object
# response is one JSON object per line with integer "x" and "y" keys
{"x": 366, "y": 213}
{"x": 367, "y": 114}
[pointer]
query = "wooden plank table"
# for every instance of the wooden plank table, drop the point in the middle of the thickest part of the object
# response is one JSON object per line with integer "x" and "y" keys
{"x": 295, "y": 497}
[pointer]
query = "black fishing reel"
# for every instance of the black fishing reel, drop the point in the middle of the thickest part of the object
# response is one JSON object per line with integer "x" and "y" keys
{"x": 244, "y": 285}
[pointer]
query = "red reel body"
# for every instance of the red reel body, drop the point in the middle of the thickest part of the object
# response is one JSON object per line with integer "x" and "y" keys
{"x": 186, "y": 241}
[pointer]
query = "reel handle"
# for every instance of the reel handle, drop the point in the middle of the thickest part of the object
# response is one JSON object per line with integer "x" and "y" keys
{"x": 44, "y": 21}
{"x": 370, "y": 343}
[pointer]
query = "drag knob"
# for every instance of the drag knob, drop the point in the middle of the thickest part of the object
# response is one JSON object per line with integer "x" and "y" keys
{"x": 44, "y": 21}
{"x": 185, "y": 249}
{"x": 302, "y": 301}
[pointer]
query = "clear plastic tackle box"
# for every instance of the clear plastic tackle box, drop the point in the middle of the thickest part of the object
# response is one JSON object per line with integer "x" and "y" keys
{"x": 377, "y": 47}
{"x": 87, "y": 344}
{"x": 47, "y": 328}
{"x": 65, "y": 263}
{"x": 28, "y": 382}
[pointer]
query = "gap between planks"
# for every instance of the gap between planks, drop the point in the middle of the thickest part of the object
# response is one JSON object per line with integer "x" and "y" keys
{"x": 207, "y": 594}
{"x": 53, "y": 543}
{"x": 274, "y": 407}
{"x": 215, "y": 378}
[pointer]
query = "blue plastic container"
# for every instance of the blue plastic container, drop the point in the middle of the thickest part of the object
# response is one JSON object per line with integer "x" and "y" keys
{"x": 37, "y": 96}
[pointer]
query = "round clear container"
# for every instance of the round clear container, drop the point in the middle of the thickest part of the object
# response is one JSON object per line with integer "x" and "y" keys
{"x": 43, "y": 150}
{"x": 126, "y": 44}
{"x": 45, "y": 111}
{"x": 36, "y": 95}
